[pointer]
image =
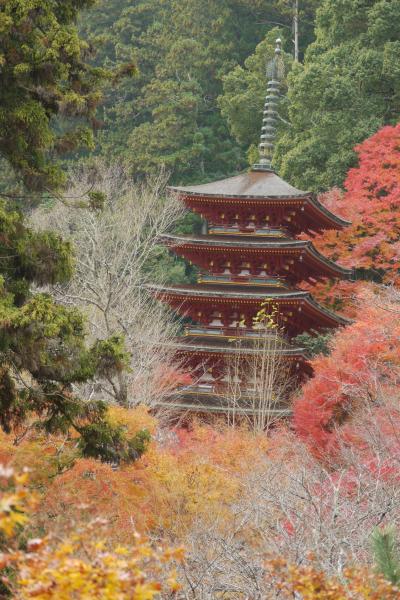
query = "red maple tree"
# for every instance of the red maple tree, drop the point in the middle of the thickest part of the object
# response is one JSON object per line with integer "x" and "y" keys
{"x": 362, "y": 370}
{"x": 371, "y": 201}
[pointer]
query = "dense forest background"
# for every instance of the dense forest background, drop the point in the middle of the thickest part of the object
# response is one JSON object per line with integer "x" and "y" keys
{"x": 169, "y": 114}
{"x": 195, "y": 103}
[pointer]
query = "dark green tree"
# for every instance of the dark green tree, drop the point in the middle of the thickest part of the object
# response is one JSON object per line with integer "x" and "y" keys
{"x": 315, "y": 344}
{"x": 348, "y": 87}
{"x": 285, "y": 13}
{"x": 45, "y": 74}
{"x": 242, "y": 102}
{"x": 386, "y": 554}
{"x": 42, "y": 345}
{"x": 169, "y": 113}
{"x": 43, "y": 353}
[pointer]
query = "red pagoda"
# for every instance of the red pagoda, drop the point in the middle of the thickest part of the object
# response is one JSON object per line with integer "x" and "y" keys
{"x": 248, "y": 253}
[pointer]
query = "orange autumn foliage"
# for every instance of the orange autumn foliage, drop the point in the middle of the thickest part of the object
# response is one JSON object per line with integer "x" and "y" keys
{"x": 193, "y": 474}
{"x": 310, "y": 583}
{"x": 81, "y": 565}
{"x": 198, "y": 477}
{"x": 372, "y": 202}
{"x": 91, "y": 490}
{"x": 339, "y": 296}
{"x": 46, "y": 456}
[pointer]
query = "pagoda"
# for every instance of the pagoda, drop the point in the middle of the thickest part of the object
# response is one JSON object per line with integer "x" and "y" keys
{"x": 249, "y": 252}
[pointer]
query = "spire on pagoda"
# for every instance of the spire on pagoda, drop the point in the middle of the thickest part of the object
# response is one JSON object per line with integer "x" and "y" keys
{"x": 275, "y": 74}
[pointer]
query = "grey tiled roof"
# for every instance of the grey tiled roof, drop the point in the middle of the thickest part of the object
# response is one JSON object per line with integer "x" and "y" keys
{"x": 252, "y": 184}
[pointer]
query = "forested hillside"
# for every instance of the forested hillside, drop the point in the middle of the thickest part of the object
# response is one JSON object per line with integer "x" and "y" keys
{"x": 200, "y": 81}
{"x": 169, "y": 113}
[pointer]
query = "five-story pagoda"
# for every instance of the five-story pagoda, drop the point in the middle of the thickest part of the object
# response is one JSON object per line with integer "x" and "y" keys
{"x": 248, "y": 254}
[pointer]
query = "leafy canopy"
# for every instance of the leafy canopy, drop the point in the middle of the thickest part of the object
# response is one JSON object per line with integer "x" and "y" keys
{"x": 44, "y": 74}
{"x": 371, "y": 202}
{"x": 348, "y": 87}
{"x": 244, "y": 92}
{"x": 361, "y": 371}
{"x": 81, "y": 565}
{"x": 42, "y": 347}
{"x": 43, "y": 354}
{"x": 169, "y": 114}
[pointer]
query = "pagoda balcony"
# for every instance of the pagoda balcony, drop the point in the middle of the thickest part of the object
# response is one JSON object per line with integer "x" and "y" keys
{"x": 217, "y": 389}
{"x": 231, "y": 332}
{"x": 248, "y": 279}
{"x": 280, "y": 258}
{"x": 297, "y": 310}
{"x": 237, "y": 230}
{"x": 216, "y": 398}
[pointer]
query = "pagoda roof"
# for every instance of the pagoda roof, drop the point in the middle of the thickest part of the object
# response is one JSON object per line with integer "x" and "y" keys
{"x": 259, "y": 187}
{"x": 211, "y": 241}
{"x": 226, "y": 292}
{"x": 243, "y": 295}
{"x": 251, "y": 184}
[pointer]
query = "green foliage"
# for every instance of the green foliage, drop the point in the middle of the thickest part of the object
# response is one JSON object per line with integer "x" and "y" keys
{"x": 168, "y": 115}
{"x": 27, "y": 256}
{"x": 306, "y": 17}
{"x": 164, "y": 267}
{"x": 110, "y": 356}
{"x": 43, "y": 351}
{"x": 101, "y": 440}
{"x": 314, "y": 344}
{"x": 44, "y": 73}
{"x": 138, "y": 444}
{"x": 386, "y": 554}
{"x": 348, "y": 87}
{"x": 48, "y": 98}
{"x": 97, "y": 200}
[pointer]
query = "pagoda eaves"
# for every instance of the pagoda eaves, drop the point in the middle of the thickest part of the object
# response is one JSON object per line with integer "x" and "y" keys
{"x": 298, "y": 260}
{"x": 298, "y": 311}
{"x": 263, "y": 193}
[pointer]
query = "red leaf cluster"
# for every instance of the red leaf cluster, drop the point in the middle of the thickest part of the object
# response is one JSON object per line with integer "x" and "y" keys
{"x": 371, "y": 201}
{"x": 362, "y": 369}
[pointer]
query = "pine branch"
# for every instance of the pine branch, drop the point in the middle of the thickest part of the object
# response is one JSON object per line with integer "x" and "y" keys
{"x": 386, "y": 554}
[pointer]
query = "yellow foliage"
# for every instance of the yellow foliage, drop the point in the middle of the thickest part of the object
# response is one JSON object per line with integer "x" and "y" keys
{"x": 198, "y": 478}
{"x": 80, "y": 566}
{"x": 15, "y": 503}
{"x": 134, "y": 419}
{"x": 309, "y": 583}
{"x": 179, "y": 491}
{"x": 170, "y": 487}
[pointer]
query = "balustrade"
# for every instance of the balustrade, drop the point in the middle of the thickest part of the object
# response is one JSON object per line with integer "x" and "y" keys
{"x": 246, "y": 278}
